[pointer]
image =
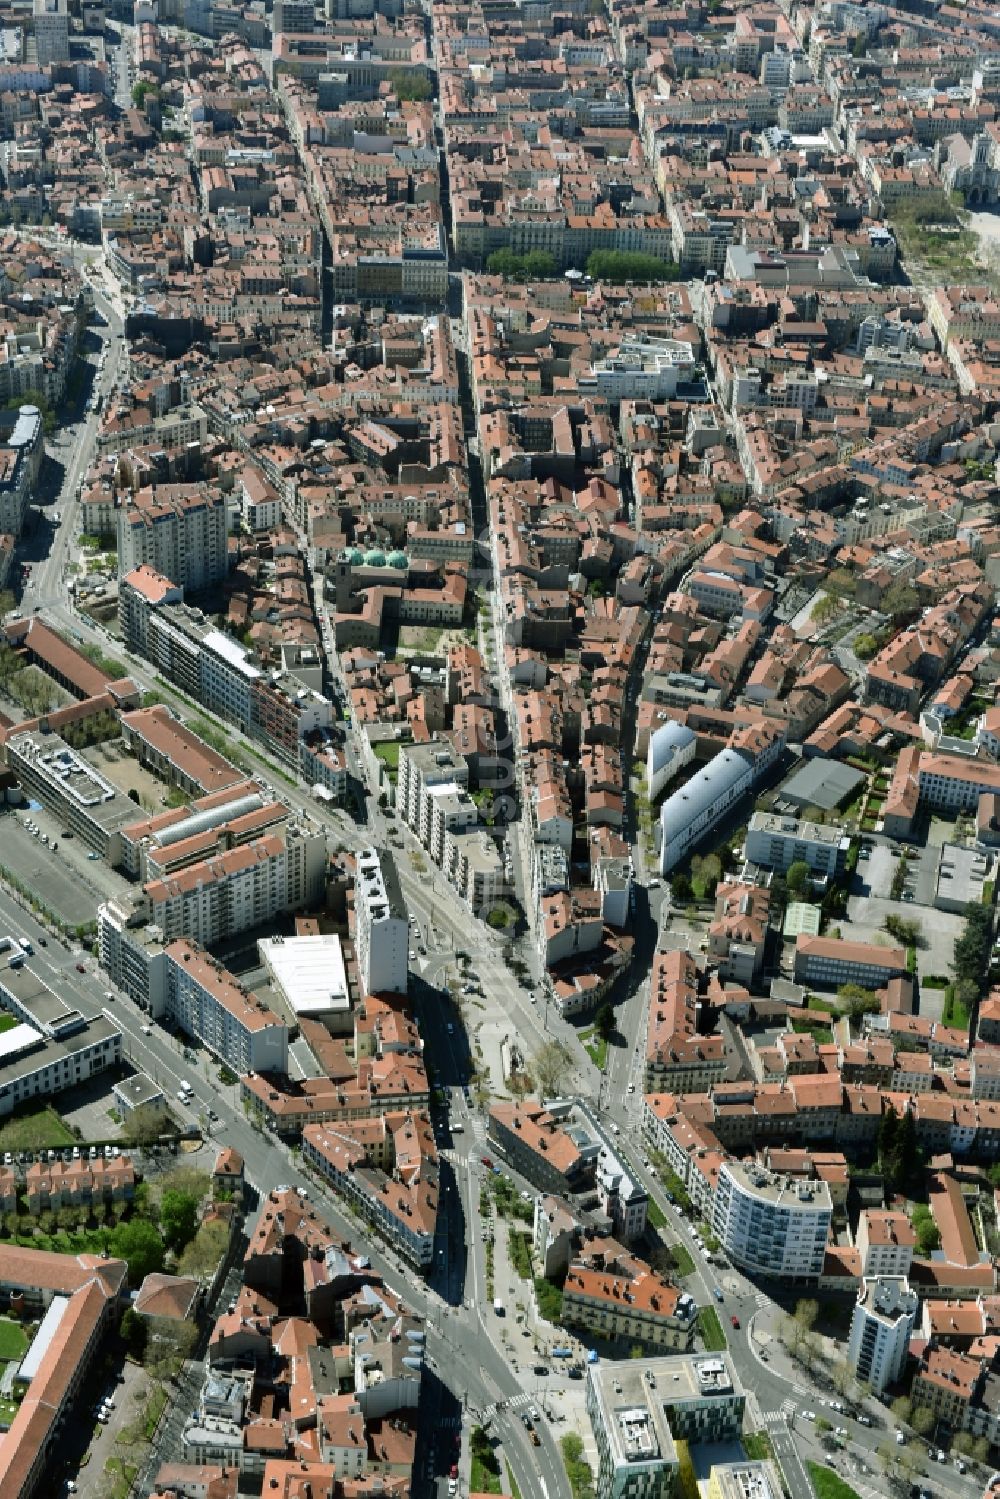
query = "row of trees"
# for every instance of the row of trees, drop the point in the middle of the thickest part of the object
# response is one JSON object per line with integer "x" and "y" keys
{"x": 618, "y": 266}
{"x": 630, "y": 265}
{"x": 972, "y": 950}
{"x": 899, "y": 1157}
{"x": 537, "y": 265}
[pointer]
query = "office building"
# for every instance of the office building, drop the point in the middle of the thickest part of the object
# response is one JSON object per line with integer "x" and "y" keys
{"x": 63, "y": 780}
{"x": 54, "y": 1046}
{"x": 636, "y": 1455}
{"x": 295, "y": 16}
{"x": 638, "y": 1410}
{"x": 881, "y": 1328}
{"x": 745, "y": 1480}
{"x": 179, "y": 530}
{"x": 51, "y": 31}
{"x": 829, "y": 962}
{"x": 772, "y": 1225}
{"x": 777, "y": 842}
{"x": 382, "y": 928}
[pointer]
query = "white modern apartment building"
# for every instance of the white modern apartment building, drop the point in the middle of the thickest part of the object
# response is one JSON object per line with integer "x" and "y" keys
{"x": 205, "y": 1000}
{"x": 432, "y": 796}
{"x": 778, "y": 842}
{"x": 772, "y": 1225}
{"x": 881, "y": 1328}
{"x": 381, "y": 924}
{"x": 180, "y": 530}
{"x": 643, "y": 368}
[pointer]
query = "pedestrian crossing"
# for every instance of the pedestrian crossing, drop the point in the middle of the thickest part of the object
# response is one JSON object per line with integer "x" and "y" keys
{"x": 515, "y": 1403}
{"x": 780, "y": 1416}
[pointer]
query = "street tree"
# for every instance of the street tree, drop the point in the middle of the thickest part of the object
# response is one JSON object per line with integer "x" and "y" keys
{"x": 806, "y": 1314}
{"x": 797, "y": 878}
{"x": 144, "y": 1126}
{"x": 604, "y": 1022}
{"x": 552, "y": 1065}
{"x": 923, "y": 1420}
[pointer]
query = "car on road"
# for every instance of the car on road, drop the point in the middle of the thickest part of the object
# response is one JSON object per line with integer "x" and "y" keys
{"x": 540, "y": 1369}
{"x": 80, "y": 968}
{"x": 736, "y": 1322}
{"x": 487, "y": 1162}
{"x": 717, "y": 1294}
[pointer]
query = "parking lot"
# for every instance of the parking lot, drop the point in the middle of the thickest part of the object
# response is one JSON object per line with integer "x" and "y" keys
{"x": 130, "y": 1398}
{"x": 89, "y": 1107}
{"x": 868, "y": 910}
{"x": 65, "y": 881}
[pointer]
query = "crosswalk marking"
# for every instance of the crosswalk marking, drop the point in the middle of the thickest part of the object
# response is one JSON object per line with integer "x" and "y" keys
{"x": 515, "y": 1403}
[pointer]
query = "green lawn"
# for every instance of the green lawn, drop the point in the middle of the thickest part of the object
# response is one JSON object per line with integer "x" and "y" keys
{"x": 549, "y": 1298}
{"x": 683, "y": 1263}
{"x": 757, "y": 1446}
{"x": 829, "y": 1485}
{"x": 711, "y": 1329}
{"x": 517, "y": 1244}
{"x": 34, "y": 1129}
{"x": 822, "y": 1033}
{"x": 484, "y": 1475}
{"x": 388, "y": 753}
{"x": 7, "y": 1022}
{"x": 655, "y": 1216}
{"x": 955, "y": 1012}
{"x": 8, "y": 1410}
{"x": 597, "y": 1050}
{"x": 13, "y": 1343}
